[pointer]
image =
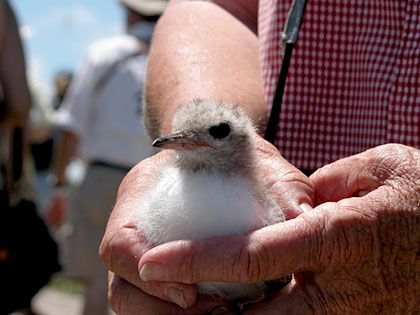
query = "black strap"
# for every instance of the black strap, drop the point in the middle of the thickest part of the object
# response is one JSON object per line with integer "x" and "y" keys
{"x": 290, "y": 36}
{"x": 270, "y": 132}
{"x": 111, "y": 70}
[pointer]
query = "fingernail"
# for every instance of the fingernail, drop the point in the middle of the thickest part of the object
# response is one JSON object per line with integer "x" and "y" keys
{"x": 176, "y": 296}
{"x": 145, "y": 272}
{"x": 152, "y": 271}
{"x": 218, "y": 310}
{"x": 306, "y": 207}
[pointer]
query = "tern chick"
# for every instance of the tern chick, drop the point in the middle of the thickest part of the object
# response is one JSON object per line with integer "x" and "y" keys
{"x": 211, "y": 188}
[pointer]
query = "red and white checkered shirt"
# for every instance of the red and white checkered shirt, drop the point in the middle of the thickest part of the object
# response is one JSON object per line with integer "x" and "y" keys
{"x": 354, "y": 78}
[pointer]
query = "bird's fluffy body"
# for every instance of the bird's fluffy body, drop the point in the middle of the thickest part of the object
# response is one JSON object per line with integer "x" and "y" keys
{"x": 209, "y": 190}
{"x": 196, "y": 205}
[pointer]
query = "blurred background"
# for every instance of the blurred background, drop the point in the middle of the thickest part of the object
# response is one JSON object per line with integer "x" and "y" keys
{"x": 55, "y": 35}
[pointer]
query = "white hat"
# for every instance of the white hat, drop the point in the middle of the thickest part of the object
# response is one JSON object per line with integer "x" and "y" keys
{"x": 146, "y": 7}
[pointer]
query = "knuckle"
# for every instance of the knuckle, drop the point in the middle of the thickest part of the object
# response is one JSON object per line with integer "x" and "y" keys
{"x": 188, "y": 270}
{"x": 346, "y": 244}
{"x": 392, "y": 162}
{"x": 317, "y": 253}
{"x": 254, "y": 261}
{"x": 242, "y": 259}
{"x": 120, "y": 249}
{"x": 106, "y": 249}
{"x": 112, "y": 250}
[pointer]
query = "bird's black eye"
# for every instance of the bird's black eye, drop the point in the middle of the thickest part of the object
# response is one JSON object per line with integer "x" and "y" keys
{"x": 221, "y": 131}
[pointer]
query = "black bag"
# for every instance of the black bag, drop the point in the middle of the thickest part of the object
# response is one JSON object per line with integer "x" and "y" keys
{"x": 28, "y": 253}
{"x": 28, "y": 256}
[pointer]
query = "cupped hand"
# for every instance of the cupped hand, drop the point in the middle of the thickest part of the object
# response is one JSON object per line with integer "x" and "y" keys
{"x": 123, "y": 244}
{"x": 356, "y": 252}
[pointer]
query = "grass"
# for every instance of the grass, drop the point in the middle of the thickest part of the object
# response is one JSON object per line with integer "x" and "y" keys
{"x": 66, "y": 285}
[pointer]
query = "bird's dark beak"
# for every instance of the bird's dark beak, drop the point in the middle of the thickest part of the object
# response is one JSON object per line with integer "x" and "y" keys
{"x": 179, "y": 141}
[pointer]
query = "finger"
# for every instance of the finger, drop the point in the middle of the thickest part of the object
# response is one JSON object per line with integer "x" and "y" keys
{"x": 123, "y": 245}
{"x": 288, "y": 186}
{"x": 268, "y": 253}
{"x": 124, "y": 298}
{"x": 125, "y": 261}
{"x": 331, "y": 234}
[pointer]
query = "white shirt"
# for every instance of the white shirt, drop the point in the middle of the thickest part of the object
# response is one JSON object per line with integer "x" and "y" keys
{"x": 108, "y": 120}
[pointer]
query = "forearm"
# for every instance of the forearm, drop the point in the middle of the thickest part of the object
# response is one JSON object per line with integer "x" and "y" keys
{"x": 201, "y": 51}
{"x": 64, "y": 152}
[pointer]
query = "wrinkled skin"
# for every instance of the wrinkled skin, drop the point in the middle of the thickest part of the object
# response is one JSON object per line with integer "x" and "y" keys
{"x": 356, "y": 252}
{"x": 123, "y": 245}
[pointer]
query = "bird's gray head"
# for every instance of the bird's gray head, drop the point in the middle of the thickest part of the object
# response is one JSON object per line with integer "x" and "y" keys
{"x": 210, "y": 136}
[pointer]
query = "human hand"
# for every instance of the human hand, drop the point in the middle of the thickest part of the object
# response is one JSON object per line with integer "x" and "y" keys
{"x": 356, "y": 252}
{"x": 58, "y": 209}
{"x": 123, "y": 245}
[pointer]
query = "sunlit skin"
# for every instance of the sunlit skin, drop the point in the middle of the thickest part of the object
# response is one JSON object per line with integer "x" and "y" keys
{"x": 356, "y": 252}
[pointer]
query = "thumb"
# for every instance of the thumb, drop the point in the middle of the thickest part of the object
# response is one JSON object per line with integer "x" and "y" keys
{"x": 343, "y": 179}
{"x": 268, "y": 253}
{"x": 360, "y": 174}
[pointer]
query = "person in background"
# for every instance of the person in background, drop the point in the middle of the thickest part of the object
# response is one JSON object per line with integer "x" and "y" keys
{"x": 20, "y": 226}
{"x": 43, "y": 135}
{"x": 350, "y": 110}
{"x": 101, "y": 121}
{"x": 15, "y": 98}
{"x": 15, "y": 95}
{"x": 40, "y": 136}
